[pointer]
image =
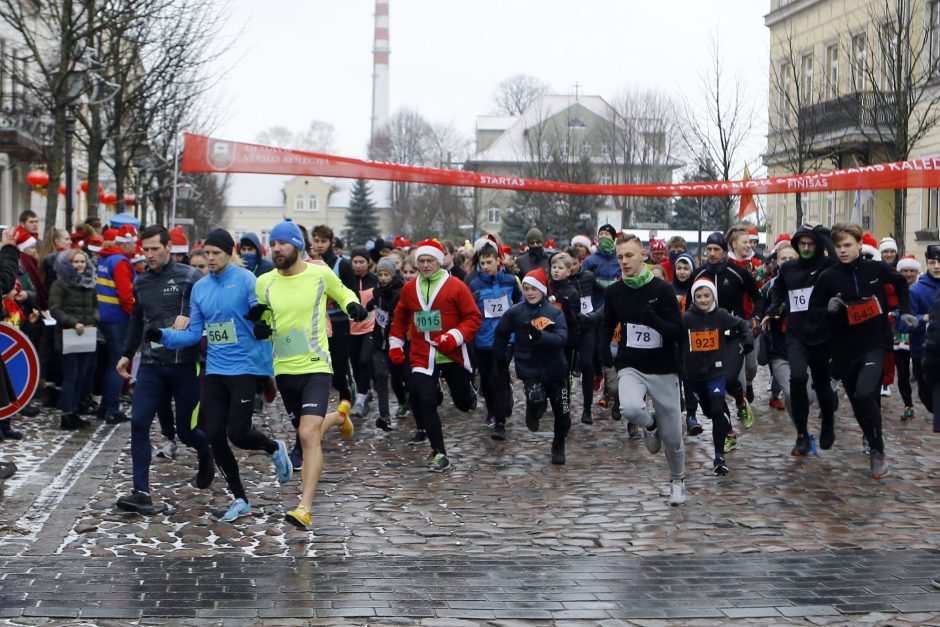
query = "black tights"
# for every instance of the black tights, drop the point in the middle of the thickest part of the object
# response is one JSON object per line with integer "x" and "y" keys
{"x": 424, "y": 394}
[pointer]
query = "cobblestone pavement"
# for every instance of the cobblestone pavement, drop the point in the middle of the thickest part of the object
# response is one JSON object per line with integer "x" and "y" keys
{"x": 503, "y": 535}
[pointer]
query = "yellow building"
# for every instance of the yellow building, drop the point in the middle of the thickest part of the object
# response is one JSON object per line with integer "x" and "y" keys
{"x": 833, "y": 81}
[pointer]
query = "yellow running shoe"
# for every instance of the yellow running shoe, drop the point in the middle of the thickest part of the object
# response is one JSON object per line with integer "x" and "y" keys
{"x": 299, "y": 517}
{"x": 346, "y": 429}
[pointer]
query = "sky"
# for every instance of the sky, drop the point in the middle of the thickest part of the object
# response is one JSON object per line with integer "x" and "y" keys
{"x": 294, "y": 61}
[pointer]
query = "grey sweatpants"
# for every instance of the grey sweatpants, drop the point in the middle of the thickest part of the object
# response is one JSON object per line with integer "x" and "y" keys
{"x": 632, "y": 386}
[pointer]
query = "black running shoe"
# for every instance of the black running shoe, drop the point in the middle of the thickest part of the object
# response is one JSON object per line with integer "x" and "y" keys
{"x": 499, "y": 432}
{"x": 827, "y": 435}
{"x": 137, "y": 502}
{"x": 418, "y": 437}
{"x": 586, "y": 417}
{"x": 30, "y": 411}
{"x": 384, "y": 423}
{"x": 802, "y": 446}
{"x": 7, "y": 470}
{"x": 558, "y": 452}
{"x": 721, "y": 469}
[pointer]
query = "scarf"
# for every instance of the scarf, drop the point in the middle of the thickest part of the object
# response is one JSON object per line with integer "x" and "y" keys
{"x": 606, "y": 245}
{"x": 638, "y": 281}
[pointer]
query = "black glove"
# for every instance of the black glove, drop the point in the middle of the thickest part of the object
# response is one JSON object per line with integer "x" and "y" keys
{"x": 747, "y": 347}
{"x": 371, "y": 305}
{"x": 254, "y": 314}
{"x": 534, "y": 334}
{"x": 261, "y": 330}
{"x": 356, "y": 312}
{"x": 153, "y": 335}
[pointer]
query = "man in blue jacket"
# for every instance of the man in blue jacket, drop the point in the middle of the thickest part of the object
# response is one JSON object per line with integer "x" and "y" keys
{"x": 923, "y": 295}
{"x": 252, "y": 254}
{"x": 225, "y": 306}
{"x": 603, "y": 263}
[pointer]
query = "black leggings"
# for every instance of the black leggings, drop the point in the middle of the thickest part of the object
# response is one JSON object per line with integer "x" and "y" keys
{"x": 556, "y": 393}
{"x": 228, "y": 404}
{"x": 715, "y": 407}
{"x": 587, "y": 343}
{"x": 360, "y": 354}
{"x": 384, "y": 369}
{"x": 862, "y": 381}
{"x": 339, "y": 355}
{"x": 902, "y": 364}
{"x": 811, "y": 361}
{"x": 494, "y": 385}
{"x": 423, "y": 394}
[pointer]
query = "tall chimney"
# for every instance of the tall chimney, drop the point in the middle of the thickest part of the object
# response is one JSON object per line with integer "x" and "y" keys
{"x": 380, "y": 54}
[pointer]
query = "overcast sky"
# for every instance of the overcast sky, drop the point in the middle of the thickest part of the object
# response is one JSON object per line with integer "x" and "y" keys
{"x": 294, "y": 61}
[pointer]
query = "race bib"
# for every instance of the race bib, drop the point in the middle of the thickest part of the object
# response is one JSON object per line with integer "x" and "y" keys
{"x": 587, "y": 306}
{"x": 863, "y": 310}
{"x": 221, "y": 332}
{"x": 703, "y": 341}
{"x": 541, "y": 323}
{"x": 381, "y": 317}
{"x": 291, "y": 344}
{"x": 428, "y": 321}
{"x": 642, "y": 336}
{"x": 495, "y": 307}
{"x": 799, "y": 299}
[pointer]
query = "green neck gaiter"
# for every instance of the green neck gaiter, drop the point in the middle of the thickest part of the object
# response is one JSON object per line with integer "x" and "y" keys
{"x": 606, "y": 245}
{"x": 807, "y": 254}
{"x": 636, "y": 282}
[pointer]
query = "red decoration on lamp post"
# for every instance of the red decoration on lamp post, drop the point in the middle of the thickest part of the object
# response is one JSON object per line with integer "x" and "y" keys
{"x": 38, "y": 178}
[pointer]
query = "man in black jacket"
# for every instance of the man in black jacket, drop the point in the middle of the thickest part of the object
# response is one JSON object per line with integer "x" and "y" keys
{"x": 535, "y": 256}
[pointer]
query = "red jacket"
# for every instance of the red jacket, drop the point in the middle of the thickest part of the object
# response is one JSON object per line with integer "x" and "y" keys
{"x": 460, "y": 317}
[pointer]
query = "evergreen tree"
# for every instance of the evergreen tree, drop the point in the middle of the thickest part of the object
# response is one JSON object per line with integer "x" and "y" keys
{"x": 686, "y": 210}
{"x": 514, "y": 227}
{"x": 362, "y": 224}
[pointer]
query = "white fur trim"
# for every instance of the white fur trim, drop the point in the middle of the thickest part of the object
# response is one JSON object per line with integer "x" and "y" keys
{"x": 457, "y": 336}
{"x": 431, "y": 251}
{"x": 536, "y": 284}
{"x": 581, "y": 240}
{"x": 868, "y": 249}
{"x": 180, "y": 249}
{"x": 396, "y": 342}
{"x": 27, "y": 243}
{"x": 908, "y": 264}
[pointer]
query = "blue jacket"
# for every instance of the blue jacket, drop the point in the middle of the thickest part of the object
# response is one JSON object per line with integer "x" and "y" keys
{"x": 605, "y": 267}
{"x": 493, "y": 288}
{"x": 225, "y": 298}
{"x": 923, "y": 293}
{"x": 258, "y": 265}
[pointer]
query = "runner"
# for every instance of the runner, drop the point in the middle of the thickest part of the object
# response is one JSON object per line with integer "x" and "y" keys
{"x": 297, "y": 294}
{"x": 225, "y": 305}
{"x": 923, "y": 295}
{"x": 590, "y": 297}
{"x": 683, "y": 269}
{"x": 360, "y": 333}
{"x": 909, "y": 268}
{"x": 438, "y": 314}
{"x": 161, "y": 299}
{"x": 853, "y": 296}
{"x": 647, "y": 356}
{"x": 382, "y": 306}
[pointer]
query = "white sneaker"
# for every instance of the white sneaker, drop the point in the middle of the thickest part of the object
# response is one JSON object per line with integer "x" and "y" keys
{"x": 677, "y": 495}
{"x": 168, "y": 450}
{"x": 886, "y": 391}
{"x": 651, "y": 438}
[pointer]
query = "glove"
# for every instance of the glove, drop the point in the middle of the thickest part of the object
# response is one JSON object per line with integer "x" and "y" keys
{"x": 534, "y": 334}
{"x": 910, "y": 320}
{"x": 447, "y": 343}
{"x": 153, "y": 335}
{"x": 371, "y": 305}
{"x": 836, "y": 304}
{"x": 747, "y": 347}
{"x": 261, "y": 330}
{"x": 396, "y": 355}
{"x": 357, "y": 312}
{"x": 254, "y": 314}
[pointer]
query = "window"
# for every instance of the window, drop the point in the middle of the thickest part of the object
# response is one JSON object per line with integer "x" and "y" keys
{"x": 806, "y": 79}
{"x": 564, "y": 148}
{"x": 313, "y": 202}
{"x": 933, "y": 209}
{"x": 859, "y": 61}
{"x": 586, "y": 149}
{"x": 830, "y": 208}
{"x": 783, "y": 90}
{"x": 605, "y": 148}
{"x": 576, "y": 124}
{"x": 832, "y": 63}
{"x": 265, "y": 237}
{"x": 935, "y": 37}
{"x": 889, "y": 51}
{"x": 492, "y": 215}
{"x": 299, "y": 202}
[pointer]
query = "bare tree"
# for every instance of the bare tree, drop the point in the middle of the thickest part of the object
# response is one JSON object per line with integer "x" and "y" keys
{"x": 318, "y": 137}
{"x": 717, "y": 130}
{"x": 517, "y": 93}
{"x": 893, "y": 101}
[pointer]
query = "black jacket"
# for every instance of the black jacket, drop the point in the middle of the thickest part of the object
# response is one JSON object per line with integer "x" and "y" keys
{"x": 705, "y": 343}
{"x": 343, "y": 269}
{"x": 566, "y": 294}
{"x": 542, "y": 359}
{"x": 654, "y": 305}
{"x": 588, "y": 287}
{"x": 385, "y": 298}
{"x": 773, "y": 341}
{"x": 532, "y": 259}
{"x": 734, "y": 283}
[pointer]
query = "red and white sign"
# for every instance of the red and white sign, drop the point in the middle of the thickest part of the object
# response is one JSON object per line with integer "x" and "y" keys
{"x": 22, "y": 364}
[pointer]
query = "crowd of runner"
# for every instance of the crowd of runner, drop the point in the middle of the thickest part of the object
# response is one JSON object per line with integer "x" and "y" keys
{"x": 204, "y": 338}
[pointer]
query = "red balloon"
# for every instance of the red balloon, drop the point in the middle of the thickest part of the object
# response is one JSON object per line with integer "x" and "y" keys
{"x": 38, "y": 178}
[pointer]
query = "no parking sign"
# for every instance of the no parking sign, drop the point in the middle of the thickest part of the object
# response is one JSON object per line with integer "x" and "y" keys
{"x": 22, "y": 363}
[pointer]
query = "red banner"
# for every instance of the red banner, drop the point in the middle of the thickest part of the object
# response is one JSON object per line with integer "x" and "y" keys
{"x": 205, "y": 154}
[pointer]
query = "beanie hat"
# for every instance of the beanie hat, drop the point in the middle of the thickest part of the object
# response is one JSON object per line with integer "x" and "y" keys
{"x": 908, "y": 262}
{"x": 387, "y": 264}
{"x": 94, "y": 244}
{"x": 609, "y": 229}
{"x": 24, "y": 240}
{"x": 870, "y": 245}
{"x": 718, "y": 239}
{"x": 581, "y": 240}
{"x": 110, "y": 234}
{"x": 432, "y": 248}
{"x": 708, "y": 284}
{"x": 361, "y": 252}
{"x": 533, "y": 235}
{"x": 289, "y": 232}
{"x": 127, "y": 234}
{"x": 179, "y": 241}
{"x": 538, "y": 280}
{"x": 220, "y": 238}
{"x": 657, "y": 245}
{"x": 887, "y": 243}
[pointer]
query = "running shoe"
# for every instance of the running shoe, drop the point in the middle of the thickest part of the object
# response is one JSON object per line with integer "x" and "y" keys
{"x": 116, "y": 418}
{"x": 299, "y": 517}
{"x": 168, "y": 450}
{"x": 532, "y": 421}
{"x": 886, "y": 391}
{"x": 30, "y": 411}
{"x": 812, "y": 446}
{"x": 282, "y": 463}
{"x": 361, "y": 408}
{"x": 720, "y": 467}
{"x": 558, "y": 452}
{"x": 878, "y": 464}
{"x": 384, "y": 423}
{"x": 801, "y": 448}
{"x": 7, "y": 431}
{"x": 936, "y": 582}
{"x": 499, "y": 432}
{"x": 440, "y": 463}
{"x": 633, "y": 431}
{"x": 866, "y": 447}
{"x": 731, "y": 442}
{"x": 907, "y": 414}
{"x": 586, "y": 417}
{"x": 418, "y": 437}
{"x": 677, "y": 493}
{"x": 692, "y": 426}
{"x": 489, "y": 421}
{"x": 402, "y": 411}
{"x": 746, "y": 415}
{"x": 346, "y": 429}
{"x": 779, "y": 405}
{"x": 651, "y": 438}
{"x": 615, "y": 413}
{"x": 827, "y": 434}
{"x": 138, "y": 502}
{"x": 239, "y": 509}
{"x": 297, "y": 457}
{"x": 603, "y": 401}
{"x": 7, "y": 470}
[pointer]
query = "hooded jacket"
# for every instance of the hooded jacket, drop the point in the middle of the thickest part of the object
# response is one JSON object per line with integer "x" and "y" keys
{"x": 494, "y": 296}
{"x": 681, "y": 288}
{"x": 605, "y": 267}
{"x": 794, "y": 285}
{"x": 218, "y": 305}
{"x": 72, "y": 299}
{"x": 541, "y": 359}
{"x": 259, "y": 265}
{"x": 923, "y": 295}
{"x": 705, "y": 342}
{"x": 382, "y": 306}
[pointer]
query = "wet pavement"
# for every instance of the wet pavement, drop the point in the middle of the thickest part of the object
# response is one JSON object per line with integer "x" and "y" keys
{"x": 503, "y": 535}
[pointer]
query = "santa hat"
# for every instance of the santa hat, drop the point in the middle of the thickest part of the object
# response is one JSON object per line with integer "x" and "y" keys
{"x": 783, "y": 237}
{"x": 111, "y": 234}
{"x": 538, "y": 280}
{"x": 179, "y": 241}
{"x": 138, "y": 256}
{"x": 870, "y": 245}
{"x": 127, "y": 234}
{"x": 24, "y": 240}
{"x": 432, "y": 248}
{"x": 581, "y": 240}
{"x": 753, "y": 233}
{"x": 549, "y": 244}
{"x": 94, "y": 244}
{"x": 887, "y": 243}
{"x": 486, "y": 240}
{"x": 77, "y": 238}
{"x": 908, "y": 262}
{"x": 708, "y": 284}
